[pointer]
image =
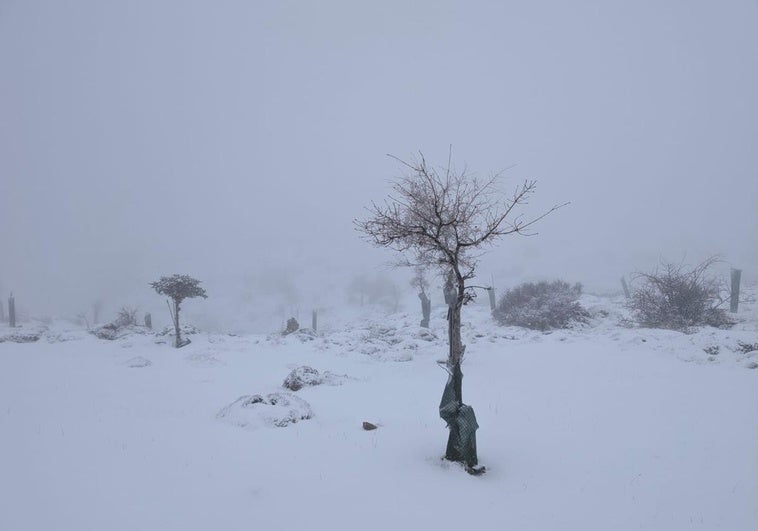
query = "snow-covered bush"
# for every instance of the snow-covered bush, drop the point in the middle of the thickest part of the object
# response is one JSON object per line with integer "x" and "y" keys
{"x": 541, "y": 305}
{"x": 676, "y": 297}
{"x": 301, "y": 377}
{"x": 275, "y": 409}
{"x": 186, "y": 330}
{"x": 746, "y": 348}
{"x": 305, "y": 376}
{"x": 292, "y": 326}
{"x": 109, "y": 331}
{"x": 124, "y": 323}
{"x": 20, "y": 337}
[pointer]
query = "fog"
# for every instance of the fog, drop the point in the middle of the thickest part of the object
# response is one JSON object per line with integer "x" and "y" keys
{"x": 236, "y": 141}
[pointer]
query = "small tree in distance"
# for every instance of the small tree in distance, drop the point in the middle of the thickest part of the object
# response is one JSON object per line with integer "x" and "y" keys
{"x": 421, "y": 283}
{"x": 444, "y": 218}
{"x": 178, "y": 288}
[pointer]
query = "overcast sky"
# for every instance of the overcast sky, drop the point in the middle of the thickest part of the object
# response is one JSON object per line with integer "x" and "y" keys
{"x": 227, "y": 138}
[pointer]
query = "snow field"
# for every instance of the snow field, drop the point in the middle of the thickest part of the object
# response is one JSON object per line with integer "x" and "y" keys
{"x": 600, "y": 427}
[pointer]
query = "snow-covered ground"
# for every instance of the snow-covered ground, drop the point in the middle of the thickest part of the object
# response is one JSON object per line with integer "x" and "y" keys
{"x": 604, "y": 426}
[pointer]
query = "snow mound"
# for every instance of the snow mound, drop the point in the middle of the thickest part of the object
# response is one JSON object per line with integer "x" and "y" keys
{"x": 274, "y": 410}
{"x": 204, "y": 360}
{"x": 396, "y": 339}
{"x": 138, "y": 362}
{"x": 29, "y": 332}
{"x": 305, "y": 376}
{"x": 114, "y": 331}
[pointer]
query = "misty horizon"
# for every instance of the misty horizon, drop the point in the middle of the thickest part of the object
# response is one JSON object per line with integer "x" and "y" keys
{"x": 238, "y": 141}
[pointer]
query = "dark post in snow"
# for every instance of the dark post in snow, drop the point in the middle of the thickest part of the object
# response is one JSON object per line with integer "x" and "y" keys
{"x": 735, "y": 298}
{"x": 626, "y": 288}
{"x": 11, "y": 311}
{"x": 314, "y": 320}
{"x": 149, "y": 321}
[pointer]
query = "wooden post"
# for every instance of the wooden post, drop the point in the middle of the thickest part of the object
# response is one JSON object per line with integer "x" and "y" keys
{"x": 491, "y": 291}
{"x": 149, "y": 321}
{"x": 626, "y": 288}
{"x": 314, "y": 320}
{"x": 96, "y": 307}
{"x": 734, "y": 300}
{"x": 11, "y": 311}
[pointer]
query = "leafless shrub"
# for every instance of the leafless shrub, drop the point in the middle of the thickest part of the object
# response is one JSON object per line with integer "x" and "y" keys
{"x": 676, "y": 297}
{"x": 126, "y": 316}
{"x": 542, "y": 305}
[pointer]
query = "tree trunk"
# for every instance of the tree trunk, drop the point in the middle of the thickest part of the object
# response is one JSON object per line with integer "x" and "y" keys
{"x": 454, "y": 325}
{"x": 460, "y": 418}
{"x": 625, "y": 286}
{"x": 454, "y": 332}
{"x": 176, "y": 325}
{"x": 426, "y": 306}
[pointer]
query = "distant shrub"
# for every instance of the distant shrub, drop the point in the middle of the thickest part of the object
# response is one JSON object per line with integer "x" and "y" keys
{"x": 541, "y": 305}
{"x": 121, "y": 325}
{"x": 292, "y": 326}
{"x": 676, "y": 297}
{"x": 126, "y": 317}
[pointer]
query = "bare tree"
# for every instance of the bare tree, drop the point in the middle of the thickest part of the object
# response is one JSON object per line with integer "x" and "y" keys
{"x": 446, "y": 218}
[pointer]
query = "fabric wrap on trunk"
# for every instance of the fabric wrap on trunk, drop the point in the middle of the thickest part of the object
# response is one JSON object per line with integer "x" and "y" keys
{"x": 461, "y": 421}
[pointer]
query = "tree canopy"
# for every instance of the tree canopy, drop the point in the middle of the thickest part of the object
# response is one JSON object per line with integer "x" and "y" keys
{"x": 179, "y": 287}
{"x": 445, "y": 217}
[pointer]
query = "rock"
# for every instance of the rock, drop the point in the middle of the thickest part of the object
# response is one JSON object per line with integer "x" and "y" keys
{"x": 368, "y": 426}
